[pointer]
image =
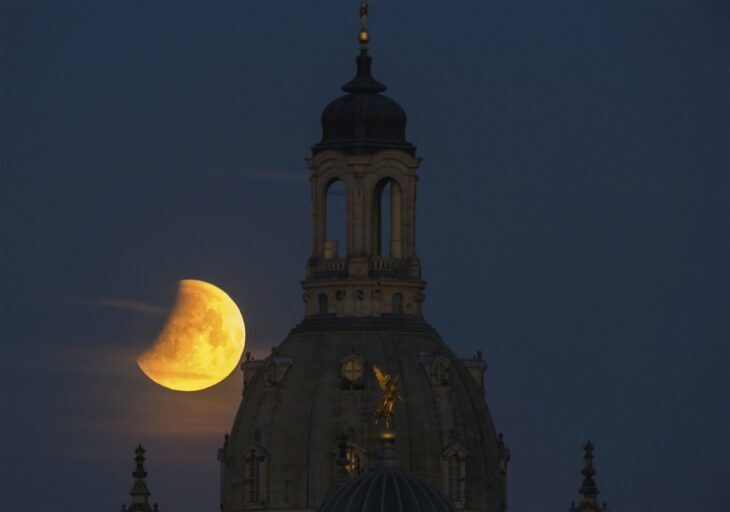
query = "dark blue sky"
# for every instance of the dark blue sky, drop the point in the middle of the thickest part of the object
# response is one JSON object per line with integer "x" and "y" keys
{"x": 573, "y": 223}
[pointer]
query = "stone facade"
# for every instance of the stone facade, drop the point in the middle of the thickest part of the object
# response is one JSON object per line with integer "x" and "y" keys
{"x": 305, "y": 423}
{"x": 367, "y": 280}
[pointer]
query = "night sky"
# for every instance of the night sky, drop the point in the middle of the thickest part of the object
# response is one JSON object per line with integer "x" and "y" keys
{"x": 573, "y": 224}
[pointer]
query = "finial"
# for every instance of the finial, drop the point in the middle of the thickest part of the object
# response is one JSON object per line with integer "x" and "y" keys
{"x": 139, "y": 491}
{"x": 139, "y": 471}
{"x": 588, "y": 490}
{"x": 363, "y": 36}
{"x": 155, "y": 508}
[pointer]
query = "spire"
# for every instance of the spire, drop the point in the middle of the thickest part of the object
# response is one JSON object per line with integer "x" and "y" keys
{"x": 139, "y": 472}
{"x": 139, "y": 493}
{"x": 588, "y": 490}
{"x": 363, "y": 36}
{"x": 363, "y": 81}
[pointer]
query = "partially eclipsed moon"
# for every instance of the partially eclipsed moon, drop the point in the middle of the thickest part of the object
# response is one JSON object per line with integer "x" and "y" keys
{"x": 201, "y": 343}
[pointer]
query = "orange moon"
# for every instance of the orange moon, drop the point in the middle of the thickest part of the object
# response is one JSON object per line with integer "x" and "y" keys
{"x": 201, "y": 343}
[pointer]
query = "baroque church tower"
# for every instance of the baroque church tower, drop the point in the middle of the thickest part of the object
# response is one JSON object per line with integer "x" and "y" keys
{"x": 305, "y": 423}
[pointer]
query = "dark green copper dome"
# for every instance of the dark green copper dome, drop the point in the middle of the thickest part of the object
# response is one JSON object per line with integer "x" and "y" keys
{"x": 388, "y": 488}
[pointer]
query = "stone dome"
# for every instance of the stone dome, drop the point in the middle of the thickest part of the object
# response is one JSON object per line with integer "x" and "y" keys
{"x": 388, "y": 487}
{"x": 363, "y": 120}
{"x": 299, "y": 404}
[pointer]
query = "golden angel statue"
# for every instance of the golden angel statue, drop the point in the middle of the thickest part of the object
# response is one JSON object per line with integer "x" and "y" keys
{"x": 390, "y": 393}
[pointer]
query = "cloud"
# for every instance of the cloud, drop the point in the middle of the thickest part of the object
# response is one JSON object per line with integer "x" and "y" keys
{"x": 128, "y": 305}
{"x": 102, "y": 393}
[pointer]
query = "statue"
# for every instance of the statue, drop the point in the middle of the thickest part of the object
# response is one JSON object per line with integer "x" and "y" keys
{"x": 390, "y": 394}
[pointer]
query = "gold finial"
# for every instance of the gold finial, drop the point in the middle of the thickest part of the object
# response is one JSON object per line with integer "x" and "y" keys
{"x": 388, "y": 385}
{"x": 364, "y": 37}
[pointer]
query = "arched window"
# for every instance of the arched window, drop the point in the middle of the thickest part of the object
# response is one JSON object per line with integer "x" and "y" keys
{"x": 322, "y": 303}
{"x": 453, "y": 473}
{"x": 349, "y": 456}
{"x": 255, "y": 475}
{"x": 254, "y": 479}
{"x": 397, "y": 303}
{"x": 335, "y": 238}
{"x": 454, "y": 489}
{"x": 388, "y": 219}
{"x": 352, "y": 465}
{"x": 440, "y": 373}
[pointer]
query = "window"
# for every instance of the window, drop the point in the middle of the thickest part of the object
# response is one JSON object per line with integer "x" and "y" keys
{"x": 353, "y": 461}
{"x": 397, "y": 304}
{"x": 322, "y": 303}
{"x": 440, "y": 374}
{"x": 352, "y": 370}
{"x": 254, "y": 478}
{"x": 335, "y": 217}
{"x": 454, "y": 488}
{"x": 453, "y": 473}
{"x": 388, "y": 219}
{"x": 271, "y": 375}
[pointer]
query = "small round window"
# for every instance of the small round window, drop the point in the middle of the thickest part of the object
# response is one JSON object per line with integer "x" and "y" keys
{"x": 352, "y": 370}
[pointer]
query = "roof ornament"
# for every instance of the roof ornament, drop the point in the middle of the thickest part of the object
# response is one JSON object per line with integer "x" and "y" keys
{"x": 363, "y": 36}
{"x": 139, "y": 472}
{"x": 388, "y": 385}
{"x": 588, "y": 490}
{"x": 139, "y": 493}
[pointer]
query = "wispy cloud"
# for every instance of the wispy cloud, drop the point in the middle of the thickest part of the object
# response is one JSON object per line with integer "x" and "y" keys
{"x": 257, "y": 174}
{"x": 126, "y": 304}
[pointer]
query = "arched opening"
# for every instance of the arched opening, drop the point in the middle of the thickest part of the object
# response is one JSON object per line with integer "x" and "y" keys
{"x": 322, "y": 300}
{"x": 397, "y": 304}
{"x": 335, "y": 235}
{"x": 253, "y": 480}
{"x": 388, "y": 219}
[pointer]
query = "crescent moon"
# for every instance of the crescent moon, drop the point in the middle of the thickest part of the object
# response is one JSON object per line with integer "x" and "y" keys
{"x": 201, "y": 343}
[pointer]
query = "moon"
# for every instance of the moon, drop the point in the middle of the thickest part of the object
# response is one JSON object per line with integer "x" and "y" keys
{"x": 201, "y": 343}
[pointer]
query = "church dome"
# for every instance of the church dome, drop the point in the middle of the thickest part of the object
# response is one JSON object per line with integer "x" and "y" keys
{"x": 388, "y": 487}
{"x": 317, "y": 391}
{"x": 363, "y": 120}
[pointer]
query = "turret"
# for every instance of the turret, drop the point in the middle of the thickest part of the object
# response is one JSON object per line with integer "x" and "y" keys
{"x": 374, "y": 270}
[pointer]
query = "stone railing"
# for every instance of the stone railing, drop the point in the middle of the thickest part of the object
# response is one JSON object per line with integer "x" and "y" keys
{"x": 331, "y": 265}
{"x": 376, "y": 266}
{"x": 387, "y": 265}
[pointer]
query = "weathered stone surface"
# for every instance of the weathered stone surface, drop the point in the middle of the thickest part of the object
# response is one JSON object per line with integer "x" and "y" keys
{"x": 296, "y": 421}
